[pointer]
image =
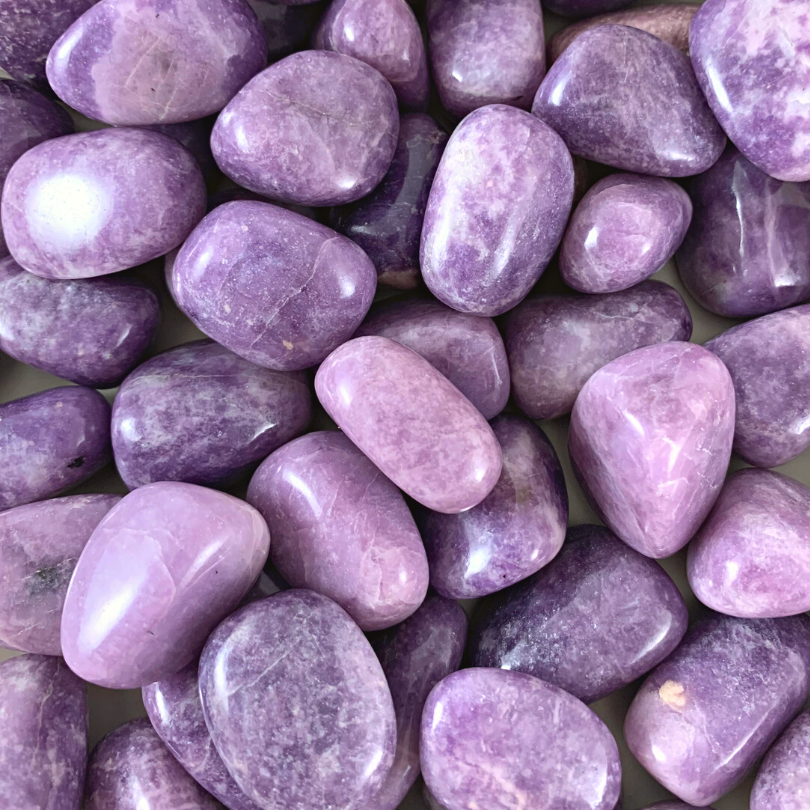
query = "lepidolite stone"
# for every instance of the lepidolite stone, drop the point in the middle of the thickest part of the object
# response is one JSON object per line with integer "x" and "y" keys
{"x": 163, "y": 567}
{"x": 555, "y": 342}
{"x": 497, "y": 210}
{"x": 415, "y": 425}
{"x": 705, "y": 716}
{"x": 595, "y": 619}
{"x": 650, "y": 441}
{"x": 747, "y": 251}
{"x": 623, "y": 97}
{"x": 99, "y": 202}
{"x": 769, "y": 361}
{"x": 297, "y": 704}
{"x": 499, "y": 740}
{"x": 43, "y": 734}
{"x": 783, "y": 781}
{"x": 290, "y": 135}
{"x": 287, "y": 27}
{"x": 627, "y": 227}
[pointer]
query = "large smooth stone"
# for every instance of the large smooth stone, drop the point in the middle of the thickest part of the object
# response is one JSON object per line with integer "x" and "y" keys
{"x": 650, "y": 442}
{"x": 556, "y": 342}
{"x": 271, "y": 285}
{"x": 201, "y": 414}
{"x": 297, "y": 704}
{"x": 595, "y": 619}
{"x": 703, "y": 718}
{"x": 516, "y": 530}
{"x": 287, "y": 27}
{"x": 415, "y": 425}
{"x": 627, "y": 227}
{"x": 623, "y": 97}
{"x": 341, "y": 528}
{"x": 160, "y": 571}
{"x": 290, "y": 136}
{"x": 99, "y": 202}
{"x": 747, "y": 251}
{"x": 135, "y": 62}
{"x": 51, "y": 441}
{"x": 498, "y": 740}
{"x": 467, "y": 349}
{"x": 769, "y": 361}
{"x": 387, "y": 223}
{"x": 783, "y": 781}
{"x": 497, "y": 210}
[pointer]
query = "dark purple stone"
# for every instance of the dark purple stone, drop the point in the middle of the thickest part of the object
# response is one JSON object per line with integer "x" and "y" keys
{"x": 783, "y": 781}
{"x": 196, "y": 137}
{"x": 287, "y": 27}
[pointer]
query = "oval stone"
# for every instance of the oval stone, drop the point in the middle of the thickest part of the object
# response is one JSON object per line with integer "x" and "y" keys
{"x": 415, "y": 425}
{"x": 498, "y": 739}
{"x": 297, "y": 704}
{"x": 287, "y": 27}
{"x": 99, "y": 202}
{"x": 783, "y": 781}
{"x": 595, "y": 619}
{"x": 496, "y": 213}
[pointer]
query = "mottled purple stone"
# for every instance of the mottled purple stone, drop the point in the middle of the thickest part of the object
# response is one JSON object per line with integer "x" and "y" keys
{"x": 555, "y": 342}
{"x": 747, "y": 251}
{"x": 769, "y": 361}
{"x": 500, "y": 740}
{"x": 99, "y": 202}
{"x": 650, "y": 441}
{"x": 595, "y": 619}
{"x": 783, "y": 781}
{"x": 43, "y": 734}
{"x": 297, "y": 704}
{"x": 623, "y": 97}
{"x": 627, "y": 227}
{"x": 196, "y": 137}
{"x": 387, "y": 223}
{"x": 497, "y": 210}
{"x": 705, "y": 716}
{"x": 287, "y": 27}
{"x": 290, "y": 136}
{"x": 163, "y": 567}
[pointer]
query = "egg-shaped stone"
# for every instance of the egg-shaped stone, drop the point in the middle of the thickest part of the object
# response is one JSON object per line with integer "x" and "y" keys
{"x": 783, "y": 781}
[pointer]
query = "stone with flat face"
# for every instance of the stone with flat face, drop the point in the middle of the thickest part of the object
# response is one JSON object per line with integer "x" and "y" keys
{"x": 783, "y": 781}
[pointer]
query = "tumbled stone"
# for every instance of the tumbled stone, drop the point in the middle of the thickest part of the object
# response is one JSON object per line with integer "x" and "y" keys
{"x": 287, "y": 27}
{"x": 783, "y": 781}
{"x": 556, "y": 342}
{"x": 595, "y": 619}
{"x": 496, "y": 212}
{"x": 703, "y": 718}
{"x": 627, "y": 227}
{"x": 196, "y": 137}
{"x": 415, "y": 425}
{"x": 165, "y": 565}
{"x": 623, "y": 97}
{"x": 498, "y": 739}
{"x": 650, "y": 441}
{"x": 297, "y": 704}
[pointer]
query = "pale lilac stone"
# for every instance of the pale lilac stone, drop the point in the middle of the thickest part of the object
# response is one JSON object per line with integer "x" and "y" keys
{"x": 415, "y": 425}
{"x": 650, "y": 442}
{"x": 287, "y": 27}
{"x": 783, "y": 781}
{"x": 583, "y": 8}
{"x": 497, "y": 210}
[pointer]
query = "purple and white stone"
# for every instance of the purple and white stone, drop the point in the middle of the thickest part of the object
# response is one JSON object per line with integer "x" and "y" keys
{"x": 783, "y": 781}
{"x": 583, "y": 8}
{"x": 287, "y": 27}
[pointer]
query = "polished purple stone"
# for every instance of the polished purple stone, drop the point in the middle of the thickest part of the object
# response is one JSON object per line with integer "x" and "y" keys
{"x": 705, "y": 716}
{"x": 650, "y": 442}
{"x": 555, "y": 342}
{"x": 783, "y": 781}
{"x": 627, "y": 227}
{"x": 496, "y": 213}
{"x": 43, "y": 745}
{"x": 583, "y": 8}
{"x": 623, "y": 97}
{"x": 769, "y": 361}
{"x": 595, "y": 619}
{"x": 297, "y": 704}
{"x": 196, "y": 137}
{"x": 747, "y": 251}
{"x": 501, "y": 740}
{"x": 289, "y": 135}
{"x": 287, "y": 27}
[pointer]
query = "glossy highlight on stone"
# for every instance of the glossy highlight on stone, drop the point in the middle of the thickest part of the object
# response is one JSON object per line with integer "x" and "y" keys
{"x": 783, "y": 781}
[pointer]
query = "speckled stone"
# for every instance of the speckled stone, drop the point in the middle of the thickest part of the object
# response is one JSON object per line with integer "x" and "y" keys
{"x": 196, "y": 137}
{"x": 769, "y": 361}
{"x": 650, "y": 442}
{"x": 297, "y": 704}
{"x": 99, "y": 202}
{"x": 499, "y": 740}
{"x": 623, "y": 97}
{"x": 497, "y": 210}
{"x": 555, "y": 342}
{"x": 595, "y": 619}
{"x": 287, "y": 27}
{"x": 783, "y": 781}
{"x": 703, "y": 718}
{"x": 627, "y": 227}
{"x": 290, "y": 136}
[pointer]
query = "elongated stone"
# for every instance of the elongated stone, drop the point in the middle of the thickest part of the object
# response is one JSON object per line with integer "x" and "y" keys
{"x": 783, "y": 781}
{"x": 287, "y": 27}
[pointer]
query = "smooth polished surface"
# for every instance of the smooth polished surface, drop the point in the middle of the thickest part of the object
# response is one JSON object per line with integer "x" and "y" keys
{"x": 783, "y": 781}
